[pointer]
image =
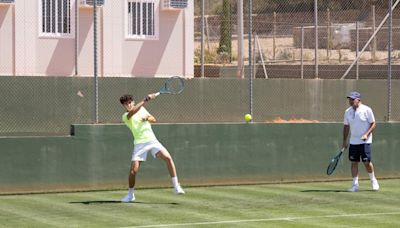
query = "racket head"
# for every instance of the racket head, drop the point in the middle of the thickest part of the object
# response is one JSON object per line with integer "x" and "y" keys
{"x": 333, "y": 163}
{"x": 174, "y": 85}
{"x": 332, "y": 166}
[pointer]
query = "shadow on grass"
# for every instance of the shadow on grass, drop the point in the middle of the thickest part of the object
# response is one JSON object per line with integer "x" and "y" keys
{"x": 332, "y": 190}
{"x": 117, "y": 201}
{"x": 323, "y": 190}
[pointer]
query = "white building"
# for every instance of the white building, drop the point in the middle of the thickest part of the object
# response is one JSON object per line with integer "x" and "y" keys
{"x": 135, "y": 38}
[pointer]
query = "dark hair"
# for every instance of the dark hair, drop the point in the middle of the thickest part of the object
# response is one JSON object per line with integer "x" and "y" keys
{"x": 125, "y": 98}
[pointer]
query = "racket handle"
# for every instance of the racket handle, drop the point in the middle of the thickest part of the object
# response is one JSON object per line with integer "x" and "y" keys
{"x": 156, "y": 94}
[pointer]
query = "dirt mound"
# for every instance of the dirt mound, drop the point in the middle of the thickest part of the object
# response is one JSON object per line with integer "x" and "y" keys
{"x": 292, "y": 120}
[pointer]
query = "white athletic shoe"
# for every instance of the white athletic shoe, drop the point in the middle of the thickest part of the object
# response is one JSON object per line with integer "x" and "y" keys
{"x": 179, "y": 190}
{"x": 128, "y": 198}
{"x": 353, "y": 188}
{"x": 375, "y": 185}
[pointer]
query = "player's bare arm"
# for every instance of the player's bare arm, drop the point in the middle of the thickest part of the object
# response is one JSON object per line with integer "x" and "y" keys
{"x": 150, "y": 118}
{"x": 371, "y": 128}
{"x": 346, "y": 130}
{"x": 134, "y": 109}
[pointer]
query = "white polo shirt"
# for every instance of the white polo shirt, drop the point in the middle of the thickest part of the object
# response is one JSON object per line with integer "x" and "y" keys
{"x": 359, "y": 121}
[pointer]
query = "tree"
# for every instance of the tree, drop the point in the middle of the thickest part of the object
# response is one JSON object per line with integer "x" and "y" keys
{"x": 225, "y": 40}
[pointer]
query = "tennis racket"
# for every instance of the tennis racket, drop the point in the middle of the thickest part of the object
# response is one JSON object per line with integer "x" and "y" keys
{"x": 333, "y": 163}
{"x": 174, "y": 85}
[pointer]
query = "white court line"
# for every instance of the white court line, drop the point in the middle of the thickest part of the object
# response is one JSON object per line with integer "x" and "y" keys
{"x": 262, "y": 220}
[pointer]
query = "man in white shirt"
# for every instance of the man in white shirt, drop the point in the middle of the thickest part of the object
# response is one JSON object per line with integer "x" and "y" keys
{"x": 359, "y": 121}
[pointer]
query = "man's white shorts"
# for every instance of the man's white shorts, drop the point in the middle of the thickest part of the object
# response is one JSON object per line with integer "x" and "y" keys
{"x": 140, "y": 150}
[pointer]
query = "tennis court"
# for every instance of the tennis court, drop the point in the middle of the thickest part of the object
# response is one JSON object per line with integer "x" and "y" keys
{"x": 65, "y": 153}
{"x": 318, "y": 204}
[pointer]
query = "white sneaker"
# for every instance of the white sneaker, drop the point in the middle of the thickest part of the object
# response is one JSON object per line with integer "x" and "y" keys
{"x": 128, "y": 198}
{"x": 179, "y": 190}
{"x": 353, "y": 188}
{"x": 375, "y": 185}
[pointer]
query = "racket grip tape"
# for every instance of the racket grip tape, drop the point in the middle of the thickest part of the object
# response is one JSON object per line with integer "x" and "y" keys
{"x": 156, "y": 94}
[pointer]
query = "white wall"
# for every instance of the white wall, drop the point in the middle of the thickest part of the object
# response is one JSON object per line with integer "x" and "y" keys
{"x": 6, "y": 40}
{"x": 170, "y": 54}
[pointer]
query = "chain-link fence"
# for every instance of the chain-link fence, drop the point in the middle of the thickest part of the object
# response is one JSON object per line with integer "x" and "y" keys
{"x": 284, "y": 33}
{"x": 303, "y": 39}
{"x": 86, "y": 69}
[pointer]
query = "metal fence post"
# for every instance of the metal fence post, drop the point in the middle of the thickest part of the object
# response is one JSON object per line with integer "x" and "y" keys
{"x": 239, "y": 14}
{"x": 357, "y": 46}
{"x": 316, "y": 36}
{"x": 273, "y": 38}
{"x": 373, "y": 30}
{"x": 328, "y": 32}
{"x": 389, "y": 77}
{"x": 96, "y": 86}
{"x": 250, "y": 58}
{"x": 76, "y": 40}
{"x": 301, "y": 53}
{"x": 202, "y": 39}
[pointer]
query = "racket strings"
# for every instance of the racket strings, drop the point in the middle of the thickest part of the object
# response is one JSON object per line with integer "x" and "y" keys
{"x": 332, "y": 166}
{"x": 174, "y": 86}
{"x": 334, "y": 162}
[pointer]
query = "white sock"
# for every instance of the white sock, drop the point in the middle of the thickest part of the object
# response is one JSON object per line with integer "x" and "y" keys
{"x": 130, "y": 191}
{"x": 372, "y": 176}
{"x": 355, "y": 180}
{"x": 175, "y": 181}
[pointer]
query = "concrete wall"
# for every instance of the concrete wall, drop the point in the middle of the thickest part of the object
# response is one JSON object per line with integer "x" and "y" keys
{"x": 98, "y": 156}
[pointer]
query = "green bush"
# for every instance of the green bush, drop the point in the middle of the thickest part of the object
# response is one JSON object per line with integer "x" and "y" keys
{"x": 210, "y": 56}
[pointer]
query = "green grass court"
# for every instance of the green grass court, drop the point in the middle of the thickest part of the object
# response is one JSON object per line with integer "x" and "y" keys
{"x": 316, "y": 204}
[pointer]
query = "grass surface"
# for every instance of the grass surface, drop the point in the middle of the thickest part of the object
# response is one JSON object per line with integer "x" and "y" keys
{"x": 273, "y": 205}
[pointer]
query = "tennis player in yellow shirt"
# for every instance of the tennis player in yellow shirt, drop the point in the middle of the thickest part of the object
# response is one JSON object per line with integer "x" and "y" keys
{"x": 139, "y": 120}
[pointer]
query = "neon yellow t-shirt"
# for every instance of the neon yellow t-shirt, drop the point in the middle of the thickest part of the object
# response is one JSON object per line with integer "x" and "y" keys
{"x": 141, "y": 130}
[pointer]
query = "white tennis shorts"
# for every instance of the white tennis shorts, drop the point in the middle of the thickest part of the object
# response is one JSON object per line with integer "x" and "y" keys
{"x": 140, "y": 150}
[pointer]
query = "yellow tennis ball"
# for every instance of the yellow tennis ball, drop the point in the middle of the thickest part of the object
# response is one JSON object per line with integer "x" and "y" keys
{"x": 247, "y": 117}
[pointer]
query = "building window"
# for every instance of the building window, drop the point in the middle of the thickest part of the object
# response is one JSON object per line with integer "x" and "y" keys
{"x": 56, "y": 18}
{"x": 142, "y": 19}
